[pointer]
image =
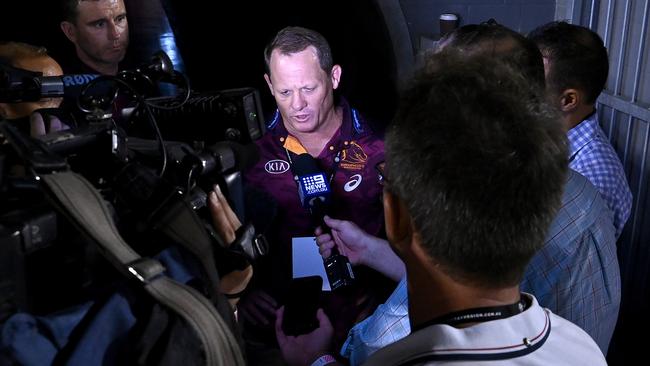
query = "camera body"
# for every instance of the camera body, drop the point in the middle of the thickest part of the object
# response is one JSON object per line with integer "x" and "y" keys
{"x": 46, "y": 264}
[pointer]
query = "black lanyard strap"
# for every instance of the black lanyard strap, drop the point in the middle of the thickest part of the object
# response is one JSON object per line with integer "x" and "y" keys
{"x": 478, "y": 315}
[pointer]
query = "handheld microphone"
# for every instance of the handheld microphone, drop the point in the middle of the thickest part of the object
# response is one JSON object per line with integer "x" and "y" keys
{"x": 314, "y": 192}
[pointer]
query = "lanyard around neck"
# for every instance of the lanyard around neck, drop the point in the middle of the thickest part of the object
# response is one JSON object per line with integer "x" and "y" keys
{"x": 478, "y": 315}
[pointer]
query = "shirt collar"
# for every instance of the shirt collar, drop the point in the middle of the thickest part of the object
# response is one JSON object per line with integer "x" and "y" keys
{"x": 498, "y": 339}
{"x": 352, "y": 127}
{"x": 583, "y": 133}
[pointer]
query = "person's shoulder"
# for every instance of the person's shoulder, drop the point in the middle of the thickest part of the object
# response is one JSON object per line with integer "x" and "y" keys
{"x": 579, "y": 191}
{"x": 582, "y": 209}
{"x": 364, "y": 132}
{"x": 570, "y": 344}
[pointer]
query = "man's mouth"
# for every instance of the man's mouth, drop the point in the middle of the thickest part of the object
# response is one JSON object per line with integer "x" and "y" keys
{"x": 301, "y": 117}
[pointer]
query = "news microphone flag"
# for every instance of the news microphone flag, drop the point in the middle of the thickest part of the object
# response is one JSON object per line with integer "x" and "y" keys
{"x": 313, "y": 187}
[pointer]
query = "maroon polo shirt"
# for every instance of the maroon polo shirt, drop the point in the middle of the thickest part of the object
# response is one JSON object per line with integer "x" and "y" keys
{"x": 355, "y": 196}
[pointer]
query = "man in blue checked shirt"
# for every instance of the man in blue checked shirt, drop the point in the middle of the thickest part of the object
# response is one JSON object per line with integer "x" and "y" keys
{"x": 576, "y": 68}
{"x": 575, "y": 274}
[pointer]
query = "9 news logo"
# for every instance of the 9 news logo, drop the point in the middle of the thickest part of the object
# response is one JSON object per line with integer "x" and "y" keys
{"x": 314, "y": 184}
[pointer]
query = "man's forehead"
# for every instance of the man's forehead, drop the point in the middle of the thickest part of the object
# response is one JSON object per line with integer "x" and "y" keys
{"x": 308, "y": 53}
{"x": 305, "y": 60}
{"x": 106, "y": 2}
{"x": 89, "y": 10}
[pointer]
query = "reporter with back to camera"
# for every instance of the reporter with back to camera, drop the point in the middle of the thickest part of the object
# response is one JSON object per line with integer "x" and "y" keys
{"x": 465, "y": 305}
{"x": 310, "y": 120}
{"x": 583, "y": 226}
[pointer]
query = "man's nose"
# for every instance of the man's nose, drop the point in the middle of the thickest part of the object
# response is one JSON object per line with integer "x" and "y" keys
{"x": 114, "y": 31}
{"x": 298, "y": 102}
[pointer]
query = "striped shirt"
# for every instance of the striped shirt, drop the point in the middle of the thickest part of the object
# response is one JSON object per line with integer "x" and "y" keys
{"x": 594, "y": 157}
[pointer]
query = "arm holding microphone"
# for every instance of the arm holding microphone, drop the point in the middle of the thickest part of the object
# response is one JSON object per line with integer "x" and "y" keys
{"x": 360, "y": 247}
{"x": 256, "y": 307}
{"x": 314, "y": 193}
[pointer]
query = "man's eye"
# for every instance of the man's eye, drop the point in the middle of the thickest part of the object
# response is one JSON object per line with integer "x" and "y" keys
{"x": 120, "y": 19}
{"x": 99, "y": 24}
{"x": 285, "y": 93}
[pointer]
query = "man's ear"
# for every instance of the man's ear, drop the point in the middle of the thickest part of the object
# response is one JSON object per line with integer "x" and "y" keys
{"x": 268, "y": 82}
{"x": 399, "y": 228}
{"x": 569, "y": 100}
{"x": 69, "y": 30}
{"x": 336, "y": 76}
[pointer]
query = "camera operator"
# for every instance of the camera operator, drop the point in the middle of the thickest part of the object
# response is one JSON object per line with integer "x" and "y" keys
{"x": 99, "y": 31}
{"x": 21, "y": 115}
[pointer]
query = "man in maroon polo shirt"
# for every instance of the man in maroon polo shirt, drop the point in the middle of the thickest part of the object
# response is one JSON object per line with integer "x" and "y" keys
{"x": 302, "y": 78}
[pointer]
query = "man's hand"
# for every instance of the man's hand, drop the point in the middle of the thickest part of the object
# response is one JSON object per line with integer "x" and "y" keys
{"x": 360, "y": 248}
{"x": 224, "y": 219}
{"x": 350, "y": 240}
{"x": 226, "y": 223}
{"x": 306, "y": 348}
{"x": 257, "y": 307}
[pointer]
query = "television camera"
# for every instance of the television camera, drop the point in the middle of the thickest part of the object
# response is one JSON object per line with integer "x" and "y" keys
{"x": 126, "y": 154}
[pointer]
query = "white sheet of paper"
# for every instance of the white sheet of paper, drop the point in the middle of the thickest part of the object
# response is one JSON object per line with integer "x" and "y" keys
{"x": 307, "y": 260}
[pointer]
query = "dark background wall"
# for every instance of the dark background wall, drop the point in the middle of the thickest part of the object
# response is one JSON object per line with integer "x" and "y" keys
{"x": 521, "y": 15}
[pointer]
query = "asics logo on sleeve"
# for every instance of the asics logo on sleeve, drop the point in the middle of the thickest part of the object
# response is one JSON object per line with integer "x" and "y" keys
{"x": 353, "y": 183}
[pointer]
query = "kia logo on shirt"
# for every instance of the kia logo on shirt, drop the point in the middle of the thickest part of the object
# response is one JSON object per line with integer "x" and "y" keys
{"x": 276, "y": 166}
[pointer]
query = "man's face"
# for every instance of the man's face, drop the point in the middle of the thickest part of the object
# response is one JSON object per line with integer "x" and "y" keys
{"x": 302, "y": 90}
{"x": 101, "y": 32}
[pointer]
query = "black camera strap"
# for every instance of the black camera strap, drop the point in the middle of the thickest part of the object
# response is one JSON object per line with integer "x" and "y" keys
{"x": 80, "y": 201}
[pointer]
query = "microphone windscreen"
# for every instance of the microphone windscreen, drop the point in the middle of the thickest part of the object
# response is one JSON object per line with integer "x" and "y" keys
{"x": 304, "y": 164}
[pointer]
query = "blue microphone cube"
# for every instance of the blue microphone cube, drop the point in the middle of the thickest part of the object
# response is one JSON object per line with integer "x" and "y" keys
{"x": 313, "y": 186}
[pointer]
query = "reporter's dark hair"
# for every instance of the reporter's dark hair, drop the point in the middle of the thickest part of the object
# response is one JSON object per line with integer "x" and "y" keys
{"x": 577, "y": 58}
{"x": 480, "y": 159}
{"x": 495, "y": 40}
{"x": 296, "y": 39}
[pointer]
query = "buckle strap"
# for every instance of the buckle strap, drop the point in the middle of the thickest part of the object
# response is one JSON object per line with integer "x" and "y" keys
{"x": 146, "y": 270}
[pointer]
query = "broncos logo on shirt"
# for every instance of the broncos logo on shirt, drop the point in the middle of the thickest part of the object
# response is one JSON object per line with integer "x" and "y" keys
{"x": 353, "y": 157}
